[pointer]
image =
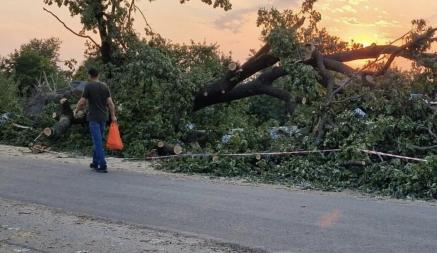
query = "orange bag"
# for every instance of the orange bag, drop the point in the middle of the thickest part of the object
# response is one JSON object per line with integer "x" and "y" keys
{"x": 114, "y": 141}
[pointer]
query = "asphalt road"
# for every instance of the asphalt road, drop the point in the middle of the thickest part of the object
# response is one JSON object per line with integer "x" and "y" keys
{"x": 277, "y": 220}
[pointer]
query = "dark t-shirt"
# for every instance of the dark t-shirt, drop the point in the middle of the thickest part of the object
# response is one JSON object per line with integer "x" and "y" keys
{"x": 97, "y": 94}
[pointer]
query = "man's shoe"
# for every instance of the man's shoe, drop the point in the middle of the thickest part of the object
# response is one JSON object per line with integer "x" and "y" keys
{"x": 93, "y": 166}
{"x": 102, "y": 169}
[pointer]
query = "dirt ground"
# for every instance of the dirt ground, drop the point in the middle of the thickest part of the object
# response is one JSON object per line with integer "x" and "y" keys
{"x": 35, "y": 228}
{"x": 114, "y": 163}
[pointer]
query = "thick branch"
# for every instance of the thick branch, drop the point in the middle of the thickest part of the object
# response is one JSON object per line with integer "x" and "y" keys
{"x": 225, "y": 84}
{"x": 427, "y": 60}
{"x": 369, "y": 52}
{"x": 375, "y": 51}
{"x": 261, "y": 60}
{"x": 328, "y": 81}
{"x": 68, "y": 28}
{"x": 260, "y": 86}
{"x": 106, "y": 48}
{"x": 282, "y": 95}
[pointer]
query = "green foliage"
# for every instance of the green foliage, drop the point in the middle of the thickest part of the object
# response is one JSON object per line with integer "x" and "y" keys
{"x": 394, "y": 123}
{"x": 12, "y": 135}
{"x": 154, "y": 90}
{"x": 9, "y": 101}
{"x": 271, "y": 19}
{"x": 28, "y": 69}
{"x": 32, "y": 63}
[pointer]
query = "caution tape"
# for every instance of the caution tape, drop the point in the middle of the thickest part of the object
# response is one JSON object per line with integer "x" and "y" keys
{"x": 301, "y": 152}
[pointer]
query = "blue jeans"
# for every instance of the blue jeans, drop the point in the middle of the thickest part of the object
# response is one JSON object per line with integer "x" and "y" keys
{"x": 97, "y": 131}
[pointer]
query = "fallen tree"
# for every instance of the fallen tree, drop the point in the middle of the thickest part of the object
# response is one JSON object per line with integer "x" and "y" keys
{"x": 286, "y": 51}
{"x": 242, "y": 82}
{"x": 34, "y": 105}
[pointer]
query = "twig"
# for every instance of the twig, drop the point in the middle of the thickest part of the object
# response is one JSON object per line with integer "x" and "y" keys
{"x": 431, "y": 132}
{"x": 71, "y": 30}
{"x": 39, "y": 136}
{"x": 380, "y": 157}
{"x": 423, "y": 148}
{"x": 347, "y": 99}
{"x": 21, "y": 126}
{"x": 391, "y": 155}
{"x": 144, "y": 18}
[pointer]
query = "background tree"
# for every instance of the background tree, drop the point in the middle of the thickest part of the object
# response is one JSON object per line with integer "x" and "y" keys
{"x": 113, "y": 21}
{"x": 33, "y": 62}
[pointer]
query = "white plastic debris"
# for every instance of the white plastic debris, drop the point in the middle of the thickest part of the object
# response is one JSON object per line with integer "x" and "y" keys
{"x": 276, "y": 132}
{"x": 415, "y": 96}
{"x": 4, "y": 118}
{"x": 190, "y": 126}
{"x": 360, "y": 112}
{"x": 228, "y": 136}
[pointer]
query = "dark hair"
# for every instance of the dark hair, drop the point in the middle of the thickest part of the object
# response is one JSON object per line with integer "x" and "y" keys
{"x": 93, "y": 72}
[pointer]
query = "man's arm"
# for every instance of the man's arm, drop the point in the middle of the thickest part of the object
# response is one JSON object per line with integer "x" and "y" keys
{"x": 80, "y": 105}
{"x": 111, "y": 108}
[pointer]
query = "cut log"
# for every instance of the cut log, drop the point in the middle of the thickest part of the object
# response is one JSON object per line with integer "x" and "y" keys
{"x": 66, "y": 119}
{"x": 59, "y": 128}
{"x": 48, "y": 131}
{"x": 232, "y": 66}
{"x": 215, "y": 158}
{"x": 168, "y": 149}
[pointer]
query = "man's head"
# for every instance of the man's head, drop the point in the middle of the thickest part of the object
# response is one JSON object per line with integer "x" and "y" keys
{"x": 93, "y": 73}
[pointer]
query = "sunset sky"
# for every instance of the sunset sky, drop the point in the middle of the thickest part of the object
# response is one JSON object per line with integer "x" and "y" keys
{"x": 364, "y": 21}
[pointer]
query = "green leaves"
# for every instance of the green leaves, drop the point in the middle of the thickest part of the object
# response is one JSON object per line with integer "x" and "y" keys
{"x": 9, "y": 101}
{"x": 32, "y": 63}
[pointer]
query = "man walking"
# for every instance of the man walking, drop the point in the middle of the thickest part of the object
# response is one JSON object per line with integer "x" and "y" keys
{"x": 98, "y": 97}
